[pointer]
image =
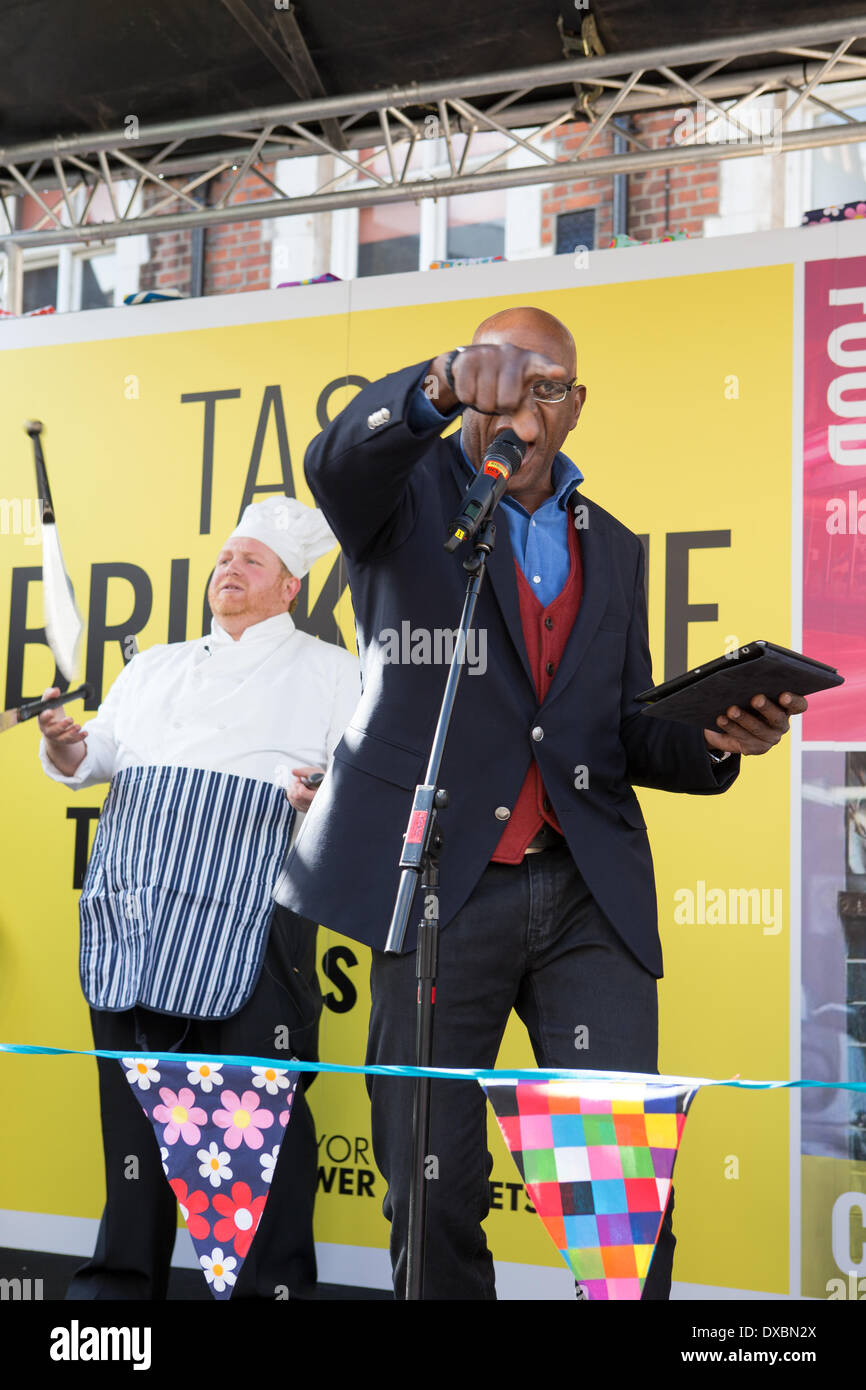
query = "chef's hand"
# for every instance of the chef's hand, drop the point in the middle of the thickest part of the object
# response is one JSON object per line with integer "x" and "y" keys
{"x": 756, "y": 730}
{"x": 301, "y": 797}
{"x": 63, "y": 737}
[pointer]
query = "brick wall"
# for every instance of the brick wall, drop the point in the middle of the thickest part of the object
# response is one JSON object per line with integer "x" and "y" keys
{"x": 588, "y": 193}
{"x": 236, "y": 257}
{"x": 689, "y": 192}
{"x": 170, "y": 263}
{"x": 659, "y": 200}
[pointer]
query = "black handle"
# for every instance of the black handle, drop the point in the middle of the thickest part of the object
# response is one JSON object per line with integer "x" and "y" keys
{"x": 34, "y": 428}
{"x": 34, "y": 707}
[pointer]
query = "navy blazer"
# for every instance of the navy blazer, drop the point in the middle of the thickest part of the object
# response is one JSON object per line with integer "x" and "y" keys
{"x": 389, "y": 495}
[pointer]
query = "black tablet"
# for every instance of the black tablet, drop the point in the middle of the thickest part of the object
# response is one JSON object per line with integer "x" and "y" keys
{"x": 760, "y": 668}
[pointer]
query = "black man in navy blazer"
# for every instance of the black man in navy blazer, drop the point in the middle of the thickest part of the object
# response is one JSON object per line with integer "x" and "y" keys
{"x": 547, "y": 896}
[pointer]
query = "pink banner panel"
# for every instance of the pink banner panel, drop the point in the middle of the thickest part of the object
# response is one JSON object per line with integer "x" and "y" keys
{"x": 834, "y": 492}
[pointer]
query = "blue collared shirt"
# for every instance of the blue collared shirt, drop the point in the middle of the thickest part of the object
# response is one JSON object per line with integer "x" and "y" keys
{"x": 539, "y": 540}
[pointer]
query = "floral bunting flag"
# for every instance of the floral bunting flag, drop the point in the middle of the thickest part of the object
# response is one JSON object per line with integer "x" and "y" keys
{"x": 219, "y": 1128}
{"x": 597, "y": 1158}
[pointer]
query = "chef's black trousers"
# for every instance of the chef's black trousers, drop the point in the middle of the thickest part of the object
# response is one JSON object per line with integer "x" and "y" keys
{"x": 139, "y": 1224}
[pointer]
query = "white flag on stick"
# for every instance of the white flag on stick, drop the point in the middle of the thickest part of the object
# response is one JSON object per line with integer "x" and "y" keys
{"x": 63, "y": 625}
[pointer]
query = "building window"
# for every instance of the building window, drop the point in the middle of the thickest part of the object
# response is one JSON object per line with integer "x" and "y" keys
{"x": 71, "y": 280}
{"x": 39, "y": 287}
{"x": 69, "y": 277}
{"x": 409, "y": 236}
{"x": 839, "y": 171}
{"x": 575, "y": 229}
{"x": 389, "y": 239}
{"x": 98, "y": 282}
{"x": 476, "y": 226}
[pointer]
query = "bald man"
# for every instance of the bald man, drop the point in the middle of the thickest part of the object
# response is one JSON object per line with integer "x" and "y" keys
{"x": 547, "y": 898}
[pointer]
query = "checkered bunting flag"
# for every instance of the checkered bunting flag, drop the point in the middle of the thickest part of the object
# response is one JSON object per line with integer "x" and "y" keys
{"x": 219, "y": 1127}
{"x": 597, "y": 1158}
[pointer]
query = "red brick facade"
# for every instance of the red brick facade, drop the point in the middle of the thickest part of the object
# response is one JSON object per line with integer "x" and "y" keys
{"x": 659, "y": 200}
{"x": 170, "y": 262}
{"x": 236, "y": 256}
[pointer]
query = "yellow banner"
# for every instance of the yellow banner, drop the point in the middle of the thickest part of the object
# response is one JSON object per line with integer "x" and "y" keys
{"x": 154, "y": 443}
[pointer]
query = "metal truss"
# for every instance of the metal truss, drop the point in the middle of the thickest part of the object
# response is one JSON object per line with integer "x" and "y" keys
{"x": 164, "y": 176}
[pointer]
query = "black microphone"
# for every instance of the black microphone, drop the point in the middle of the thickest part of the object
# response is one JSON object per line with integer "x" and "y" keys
{"x": 502, "y": 458}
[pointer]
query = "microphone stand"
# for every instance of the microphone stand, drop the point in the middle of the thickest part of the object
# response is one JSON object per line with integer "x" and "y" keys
{"x": 422, "y": 846}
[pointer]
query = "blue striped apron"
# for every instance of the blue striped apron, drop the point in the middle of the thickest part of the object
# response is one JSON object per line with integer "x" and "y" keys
{"x": 177, "y": 896}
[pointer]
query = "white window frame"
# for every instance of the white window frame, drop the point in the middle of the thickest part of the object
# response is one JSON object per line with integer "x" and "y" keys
{"x": 522, "y": 216}
{"x": 854, "y": 95}
{"x": 744, "y": 176}
{"x": 130, "y": 253}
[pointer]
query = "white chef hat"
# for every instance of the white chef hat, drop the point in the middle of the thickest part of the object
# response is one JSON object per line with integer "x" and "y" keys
{"x": 298, "y": 534}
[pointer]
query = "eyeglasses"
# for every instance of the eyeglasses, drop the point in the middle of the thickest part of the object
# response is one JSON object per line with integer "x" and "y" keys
{"x": 551, "y": 392}
{"x": 545, "y": 391}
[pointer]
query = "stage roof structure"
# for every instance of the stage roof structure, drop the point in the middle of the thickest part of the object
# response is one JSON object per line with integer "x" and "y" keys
{"x": 104, "y": 104}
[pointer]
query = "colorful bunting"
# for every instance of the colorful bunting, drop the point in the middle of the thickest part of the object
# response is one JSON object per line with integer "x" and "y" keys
{"x": 219, "y": 1128}
{"x": 597, "y": 1158}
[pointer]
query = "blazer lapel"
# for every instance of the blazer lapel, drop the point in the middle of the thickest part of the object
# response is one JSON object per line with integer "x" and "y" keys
{"x": 594, "y": 538}
{"x": 500, "y": 565}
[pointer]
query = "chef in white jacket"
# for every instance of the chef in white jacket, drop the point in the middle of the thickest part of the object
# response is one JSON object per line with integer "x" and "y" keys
{"x": 204, "y": 744}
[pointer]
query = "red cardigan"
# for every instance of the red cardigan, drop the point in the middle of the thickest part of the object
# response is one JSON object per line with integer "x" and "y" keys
{"x": 545, "y": 632}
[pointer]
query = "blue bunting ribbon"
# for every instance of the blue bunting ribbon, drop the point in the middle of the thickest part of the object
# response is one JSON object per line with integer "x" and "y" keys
{"x": 445, "y": 1073}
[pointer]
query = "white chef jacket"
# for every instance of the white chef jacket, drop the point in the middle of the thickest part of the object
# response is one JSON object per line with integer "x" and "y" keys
{"x": 257, "y": 707}
{"x": 208, "y": 722}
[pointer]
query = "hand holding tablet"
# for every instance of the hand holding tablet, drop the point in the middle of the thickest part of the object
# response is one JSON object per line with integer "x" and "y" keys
{"x": 742, "y": 700}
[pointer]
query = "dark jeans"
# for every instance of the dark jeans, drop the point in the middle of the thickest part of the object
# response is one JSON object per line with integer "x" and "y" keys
{"x": 139, "y": 1223}
{"x": 530, "y": 938}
